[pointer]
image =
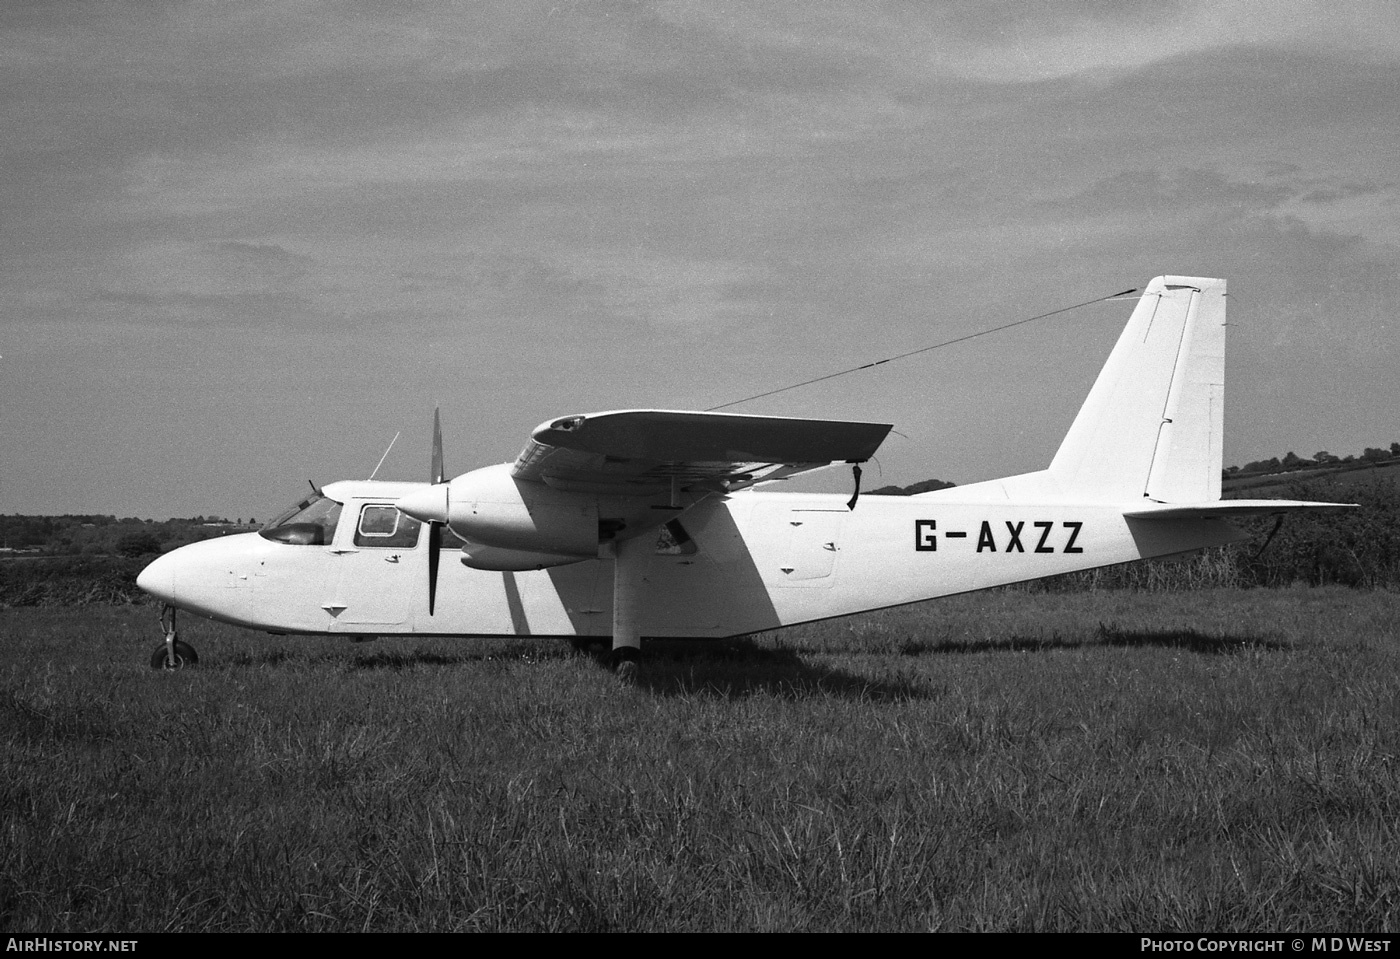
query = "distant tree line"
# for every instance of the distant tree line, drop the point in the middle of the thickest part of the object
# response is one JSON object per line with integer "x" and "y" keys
{"x": 96, "y": 535}
{"x": 1292, "y": 461}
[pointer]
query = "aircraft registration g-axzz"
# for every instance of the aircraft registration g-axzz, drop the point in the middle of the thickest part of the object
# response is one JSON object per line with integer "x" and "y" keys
{"x": 645, "y": 523}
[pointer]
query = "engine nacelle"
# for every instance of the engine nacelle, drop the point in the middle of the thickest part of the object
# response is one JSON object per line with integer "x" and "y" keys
{"x": 499, "y": 560}
{"x": 491, "y": 508}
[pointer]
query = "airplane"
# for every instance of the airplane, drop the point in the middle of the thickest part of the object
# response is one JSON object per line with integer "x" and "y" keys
{"x": 649, "y": 523}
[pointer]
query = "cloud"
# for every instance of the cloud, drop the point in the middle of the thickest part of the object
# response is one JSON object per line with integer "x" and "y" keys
{"x": 1010, "y": 43}
{"x": 258, "y": 264}
{"x": 602, "y": 199}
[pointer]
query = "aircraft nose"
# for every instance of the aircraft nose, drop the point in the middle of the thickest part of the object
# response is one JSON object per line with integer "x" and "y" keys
{"x": 158, "y": 578}
{"x": 428, "y": 504}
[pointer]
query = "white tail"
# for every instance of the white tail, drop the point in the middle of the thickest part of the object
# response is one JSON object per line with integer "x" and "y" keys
{"x": 1152, "y": 425}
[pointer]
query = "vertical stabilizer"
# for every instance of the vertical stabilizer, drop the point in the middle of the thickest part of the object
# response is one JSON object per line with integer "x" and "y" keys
{"x": 1152, "y": 425}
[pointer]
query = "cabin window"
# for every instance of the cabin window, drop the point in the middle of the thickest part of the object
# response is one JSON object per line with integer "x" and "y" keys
{"x": 386, "y": 526}
{"x": 311, "y": 522}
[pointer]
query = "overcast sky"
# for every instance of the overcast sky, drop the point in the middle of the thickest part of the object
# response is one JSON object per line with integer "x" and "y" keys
{"x": 242, "y": 244}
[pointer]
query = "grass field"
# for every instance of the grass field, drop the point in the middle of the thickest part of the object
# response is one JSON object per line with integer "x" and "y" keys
{"x": 1207, "y": 761}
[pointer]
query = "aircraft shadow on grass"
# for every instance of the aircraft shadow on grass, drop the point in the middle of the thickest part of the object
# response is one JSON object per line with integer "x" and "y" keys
{"x": 1189, "y": 640}
{"x": 733, "y": 669}
{"x": 739, "y": 668}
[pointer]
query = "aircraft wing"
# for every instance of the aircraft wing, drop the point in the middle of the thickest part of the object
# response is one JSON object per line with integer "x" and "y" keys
{"x": 645, "y": 452}
{"x": 1230, "y": 507}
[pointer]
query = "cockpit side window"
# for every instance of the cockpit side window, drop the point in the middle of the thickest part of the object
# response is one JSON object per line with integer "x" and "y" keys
{"x": 386, "y": 526}
{"x": 311, "y": 522}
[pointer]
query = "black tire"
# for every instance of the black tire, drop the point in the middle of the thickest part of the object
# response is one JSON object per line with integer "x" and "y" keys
{"x": 184, "y": 656}
{"x": 626, "y": 664}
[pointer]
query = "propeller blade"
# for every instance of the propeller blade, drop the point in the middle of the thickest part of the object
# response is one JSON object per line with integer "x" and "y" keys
{"x": 437, "y": 476}
{"x": 437, "y": 495}
{"x": 434, "y": 545}
{"x": 435, "y": 528}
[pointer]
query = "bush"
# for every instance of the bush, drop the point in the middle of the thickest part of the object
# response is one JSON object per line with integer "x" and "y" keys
{"x": 138, "y": 544}
{"x": 71, "y": 581}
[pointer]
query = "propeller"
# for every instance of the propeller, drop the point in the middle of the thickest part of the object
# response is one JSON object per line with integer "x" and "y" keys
{"x": 429, "y": 505}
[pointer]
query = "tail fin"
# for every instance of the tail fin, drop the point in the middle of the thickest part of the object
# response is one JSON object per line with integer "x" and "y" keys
{"x": 1152, "y": 425}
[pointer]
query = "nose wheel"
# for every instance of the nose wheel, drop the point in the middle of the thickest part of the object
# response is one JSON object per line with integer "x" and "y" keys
{"x": 174, "y": 653}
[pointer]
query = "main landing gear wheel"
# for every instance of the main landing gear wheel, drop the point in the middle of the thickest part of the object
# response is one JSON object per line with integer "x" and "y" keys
{"x": 625, "y": 663}
{"x": 174, "y": 653}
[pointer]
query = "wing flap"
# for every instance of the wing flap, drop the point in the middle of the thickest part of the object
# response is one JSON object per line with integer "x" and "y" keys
{"x": 641, "y": 452}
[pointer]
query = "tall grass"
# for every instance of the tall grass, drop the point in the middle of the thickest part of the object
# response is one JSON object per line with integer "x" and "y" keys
{"x": 1224, "y": 760}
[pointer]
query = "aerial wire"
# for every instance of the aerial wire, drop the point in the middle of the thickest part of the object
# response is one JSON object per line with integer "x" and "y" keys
{"x": 385, "y": 456}
{"x": 925, "y": 349}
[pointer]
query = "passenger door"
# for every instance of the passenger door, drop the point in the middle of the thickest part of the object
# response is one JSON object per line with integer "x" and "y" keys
{"x": 381, "y": 567}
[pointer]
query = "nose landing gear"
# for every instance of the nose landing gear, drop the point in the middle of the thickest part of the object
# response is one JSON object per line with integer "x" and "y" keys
{"x": 174, "y": 653}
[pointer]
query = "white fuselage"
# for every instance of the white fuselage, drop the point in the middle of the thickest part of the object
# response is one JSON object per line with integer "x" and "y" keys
{"x": 756, "y": 560}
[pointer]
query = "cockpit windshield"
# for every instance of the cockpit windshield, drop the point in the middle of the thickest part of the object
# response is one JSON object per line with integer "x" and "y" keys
{"x": 309, "y": 523}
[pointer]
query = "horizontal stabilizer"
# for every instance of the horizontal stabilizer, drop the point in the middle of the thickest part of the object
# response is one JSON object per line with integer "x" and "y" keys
{"x": 1221, "y": 509}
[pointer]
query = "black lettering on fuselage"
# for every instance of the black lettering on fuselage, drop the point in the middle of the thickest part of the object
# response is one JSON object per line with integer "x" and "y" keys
{"x": 926, "y": 536}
